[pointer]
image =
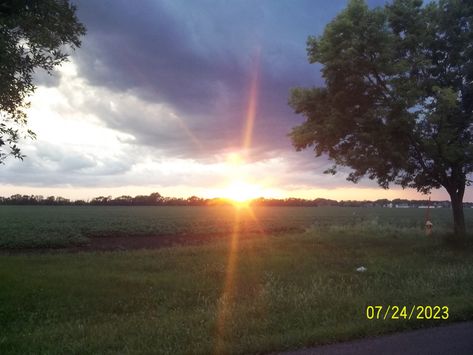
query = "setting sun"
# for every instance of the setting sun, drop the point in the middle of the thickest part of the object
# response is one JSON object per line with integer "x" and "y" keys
{"x": 242, "y": 192}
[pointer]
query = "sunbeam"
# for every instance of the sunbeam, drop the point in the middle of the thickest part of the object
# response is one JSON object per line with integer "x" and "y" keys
{"x": 241, "y": 193}
{"x": 226, "y": 299}
{"x": 188, "y": 132}
{"x": 252, "y": 104}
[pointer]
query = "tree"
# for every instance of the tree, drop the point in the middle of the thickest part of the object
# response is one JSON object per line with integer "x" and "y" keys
{"x": 33, "y": 34}
{"x": 398, "y": 100}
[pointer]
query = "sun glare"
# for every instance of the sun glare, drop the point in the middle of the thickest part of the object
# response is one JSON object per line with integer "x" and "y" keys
{"x": 241, "y": 192}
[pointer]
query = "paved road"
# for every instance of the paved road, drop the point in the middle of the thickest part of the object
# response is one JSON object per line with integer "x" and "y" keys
{"x": 450, "y": 339}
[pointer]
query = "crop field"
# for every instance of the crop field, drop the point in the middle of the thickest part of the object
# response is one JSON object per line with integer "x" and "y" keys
{"x": 58, "y": 226}
{"x": 294, "y": 284}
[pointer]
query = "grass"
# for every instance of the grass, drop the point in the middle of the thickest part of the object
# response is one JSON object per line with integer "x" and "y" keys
{"x": 268, "y": 293}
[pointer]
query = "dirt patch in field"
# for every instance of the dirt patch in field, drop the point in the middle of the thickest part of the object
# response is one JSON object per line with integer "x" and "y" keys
{"x": 140, "y": 242}
{"x": 114, "y": 243}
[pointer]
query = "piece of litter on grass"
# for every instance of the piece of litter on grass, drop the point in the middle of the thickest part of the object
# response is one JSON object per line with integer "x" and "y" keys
{"x": 361, "y": 269}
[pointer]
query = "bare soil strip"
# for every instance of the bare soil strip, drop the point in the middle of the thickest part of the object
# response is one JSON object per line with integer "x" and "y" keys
{"x": 116, "y": 243}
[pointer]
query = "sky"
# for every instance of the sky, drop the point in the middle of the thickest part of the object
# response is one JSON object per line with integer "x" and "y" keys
{"x": 182, "y": 98}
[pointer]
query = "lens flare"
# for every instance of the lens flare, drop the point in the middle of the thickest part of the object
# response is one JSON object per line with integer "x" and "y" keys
{"x": 241, "y": 192}
{"x": 252, "y": 104}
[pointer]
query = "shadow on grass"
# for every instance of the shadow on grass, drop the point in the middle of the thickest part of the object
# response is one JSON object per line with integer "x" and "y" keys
{"x": 456, "y": 243}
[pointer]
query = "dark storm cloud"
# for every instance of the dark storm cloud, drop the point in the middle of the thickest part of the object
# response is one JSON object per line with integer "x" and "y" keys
{"x": 198, "y": 58}
{"x": 147, "y": 48}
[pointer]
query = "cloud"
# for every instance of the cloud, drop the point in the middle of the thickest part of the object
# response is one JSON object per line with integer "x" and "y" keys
{"x": 198, "y": 59}
{"x": 158, "y": 95}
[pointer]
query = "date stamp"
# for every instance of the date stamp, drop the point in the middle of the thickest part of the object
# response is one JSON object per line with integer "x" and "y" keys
{"x": 396, "y": 312}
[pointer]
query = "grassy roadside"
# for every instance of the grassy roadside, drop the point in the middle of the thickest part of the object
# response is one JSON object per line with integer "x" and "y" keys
{"x": 256, "y": 295}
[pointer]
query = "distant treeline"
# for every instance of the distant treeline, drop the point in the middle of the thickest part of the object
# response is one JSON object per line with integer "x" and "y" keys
{"x": 156, "y": 199}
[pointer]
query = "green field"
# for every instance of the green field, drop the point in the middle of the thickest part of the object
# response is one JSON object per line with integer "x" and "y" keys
{"x": 55, "y": 226}
{"x": 295, "y": 285}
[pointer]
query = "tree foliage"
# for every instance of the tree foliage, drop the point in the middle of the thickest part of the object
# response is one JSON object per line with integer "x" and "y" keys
{"x": 398, "y": 101}
{"x": 33, "y": 34}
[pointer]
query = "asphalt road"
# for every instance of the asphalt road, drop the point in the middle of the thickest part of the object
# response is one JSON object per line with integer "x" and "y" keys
{"x": 450, "y": 339}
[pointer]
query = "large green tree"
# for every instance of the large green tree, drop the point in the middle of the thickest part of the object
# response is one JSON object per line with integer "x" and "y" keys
{"x": 398, "y": 100}
{"x": 34, "y": 34}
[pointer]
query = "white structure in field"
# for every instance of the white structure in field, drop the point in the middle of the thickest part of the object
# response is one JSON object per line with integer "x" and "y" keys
{"x": 403, "y": 205}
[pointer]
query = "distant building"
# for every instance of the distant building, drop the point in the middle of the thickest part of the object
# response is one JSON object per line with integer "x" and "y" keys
{"x": 402, "y": 205}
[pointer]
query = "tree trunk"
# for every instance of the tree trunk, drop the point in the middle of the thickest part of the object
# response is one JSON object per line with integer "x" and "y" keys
{"x": 456, "y": 197}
